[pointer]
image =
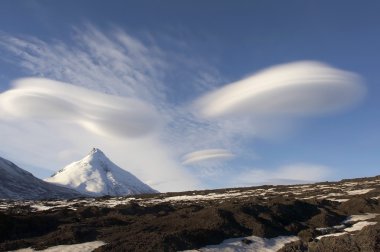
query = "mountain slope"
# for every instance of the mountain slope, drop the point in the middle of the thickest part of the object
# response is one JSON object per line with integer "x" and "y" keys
{"x": 16, "y": 183}
{"x": 96, "y": 175}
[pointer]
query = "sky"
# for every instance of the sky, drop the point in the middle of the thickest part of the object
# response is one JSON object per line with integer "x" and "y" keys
{"x": 193, "y": 94}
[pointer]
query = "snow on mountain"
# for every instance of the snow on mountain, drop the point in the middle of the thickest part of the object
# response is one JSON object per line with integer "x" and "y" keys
{"x": 96, "y": 175}
{"x": 16, "y": 184}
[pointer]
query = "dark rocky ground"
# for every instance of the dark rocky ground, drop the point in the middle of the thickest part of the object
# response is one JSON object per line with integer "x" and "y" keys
{"x": 191, "y": 220}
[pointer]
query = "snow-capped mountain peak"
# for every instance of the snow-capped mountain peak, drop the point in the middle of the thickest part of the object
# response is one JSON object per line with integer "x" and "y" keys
{"x": 95, "y": 152}
{"x": 97, "y": 175}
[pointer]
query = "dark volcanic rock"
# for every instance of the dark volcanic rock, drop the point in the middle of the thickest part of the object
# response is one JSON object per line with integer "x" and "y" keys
{"x": 326, "y": 218}
{"x": 190, "y": 220}
{"x": 359, "y": 205}
{"x": 367, "y": 240}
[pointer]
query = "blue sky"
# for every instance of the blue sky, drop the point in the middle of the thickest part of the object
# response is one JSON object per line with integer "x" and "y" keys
{"x": 180, "y": 60}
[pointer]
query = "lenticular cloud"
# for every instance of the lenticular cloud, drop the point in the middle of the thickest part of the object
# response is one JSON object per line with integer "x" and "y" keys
{"x": 103, "y": 114}
{"x": 209, "y": 154}
{"x": 294, "y": 89}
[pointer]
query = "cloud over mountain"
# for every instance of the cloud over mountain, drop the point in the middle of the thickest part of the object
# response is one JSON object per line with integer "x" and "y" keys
{"x": 103, "y": 114}
{"x": 119, "y": 92}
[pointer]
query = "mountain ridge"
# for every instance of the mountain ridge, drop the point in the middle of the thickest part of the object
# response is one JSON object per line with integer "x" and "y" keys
{"x": 18, "y": 184}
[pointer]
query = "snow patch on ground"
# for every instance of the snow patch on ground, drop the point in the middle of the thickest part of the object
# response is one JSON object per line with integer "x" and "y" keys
{"x": 356, "y": 227}
{"x": 351, "y": 184}
{"x": 338, "y": 200}
{"x": 326, "y": 229}
{"x": 210, "y": 196}
{"x": 361, "y": 217}
{"x": 360, "y": 221}
{"x": 359, "y": 226}
{"x": 330, "y": 195}
{"x": 81, "y": 247}
{"x": 258, "y": 244}
{"x": 39, "y": 207}
{"x": 325, "y": 187}
{"x": 330, "y": 235}
{"x": 357, "y": 192}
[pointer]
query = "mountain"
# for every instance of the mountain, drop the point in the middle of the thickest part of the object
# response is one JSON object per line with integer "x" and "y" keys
{"x": 96, "y": 175}
{"x": 17, "y": 184}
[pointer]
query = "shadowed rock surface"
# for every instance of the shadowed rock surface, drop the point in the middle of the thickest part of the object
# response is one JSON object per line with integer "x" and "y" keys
{"x": 191, "y": 220}
{"x": 17, "y": 183}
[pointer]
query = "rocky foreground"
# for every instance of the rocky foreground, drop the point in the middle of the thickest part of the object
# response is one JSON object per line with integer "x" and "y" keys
{"x": 331, "y": 216}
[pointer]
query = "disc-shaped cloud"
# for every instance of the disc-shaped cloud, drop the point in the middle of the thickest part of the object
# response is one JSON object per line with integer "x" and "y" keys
{"x": 203, "y": 155}
{"x": 294, "y": 89}
{"x": 101, "y": 113}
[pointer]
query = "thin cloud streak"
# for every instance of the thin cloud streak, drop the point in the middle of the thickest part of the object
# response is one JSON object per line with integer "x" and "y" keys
{"x": 289, "y": 174}
{"x": 203, "y": 155}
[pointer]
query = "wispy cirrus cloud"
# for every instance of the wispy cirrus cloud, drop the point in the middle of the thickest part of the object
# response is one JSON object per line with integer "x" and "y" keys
{"x": 112, "y": 63}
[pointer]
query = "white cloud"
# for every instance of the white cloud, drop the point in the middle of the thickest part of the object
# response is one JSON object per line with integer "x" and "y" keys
{"x": 290, "y": 174}
{"x": 115, "y": 62}
{"x": 210, "y": 154}
{"x": 49, "y": 124}
{"x": 294, "y": 89}
{"x": 149, "y": 126}
{"x": 106, "y": 115}
{"x": 53, "y": 144}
